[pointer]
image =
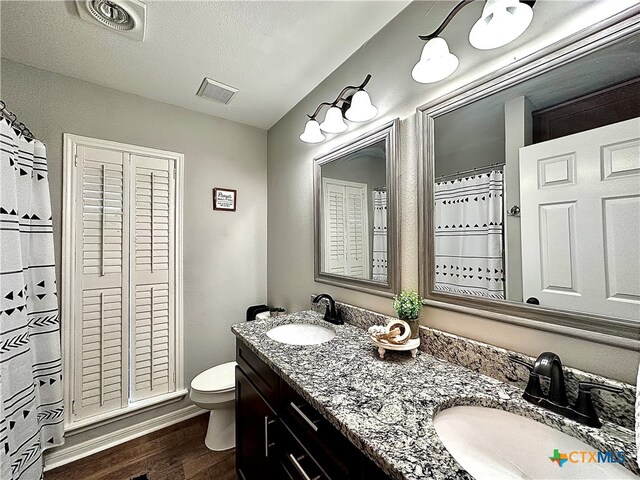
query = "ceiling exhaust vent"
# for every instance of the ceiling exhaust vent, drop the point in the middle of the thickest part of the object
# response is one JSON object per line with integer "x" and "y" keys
{"x": 216, "y": 91}
{"x": 124, "y": 16}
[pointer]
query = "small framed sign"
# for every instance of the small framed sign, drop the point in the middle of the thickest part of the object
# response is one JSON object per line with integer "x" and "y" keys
{"x": 224, "y": 199}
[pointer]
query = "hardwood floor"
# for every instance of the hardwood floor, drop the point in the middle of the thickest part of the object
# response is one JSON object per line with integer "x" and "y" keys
{"x": 174, "y": 453}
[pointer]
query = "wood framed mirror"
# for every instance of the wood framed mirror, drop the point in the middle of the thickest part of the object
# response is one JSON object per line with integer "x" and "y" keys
{"x": 357, "y": 237}
{"x": 530, "y": 189}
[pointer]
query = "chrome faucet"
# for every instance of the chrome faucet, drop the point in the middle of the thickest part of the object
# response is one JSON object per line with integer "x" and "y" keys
{"x": 548, "y": 365}
{"x": 331, "y": 314}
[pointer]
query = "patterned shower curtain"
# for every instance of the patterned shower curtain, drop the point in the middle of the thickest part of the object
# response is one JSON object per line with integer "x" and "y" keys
{"x": 31, "y": 389}
{"x": 468, "y": 236}
{"x": 380, "y": 236}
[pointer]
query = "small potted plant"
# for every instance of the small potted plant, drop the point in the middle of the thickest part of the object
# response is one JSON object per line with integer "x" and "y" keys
{"x": 407, "y": 305}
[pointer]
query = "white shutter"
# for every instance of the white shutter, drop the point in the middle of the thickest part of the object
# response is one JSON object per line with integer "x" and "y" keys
{"x": 346, "y": 228}
{"x": 152, "y": 277}
{"x": 358, "y": 230}
{"x": 335, "y": 231}
{"x": 101, "y": 315}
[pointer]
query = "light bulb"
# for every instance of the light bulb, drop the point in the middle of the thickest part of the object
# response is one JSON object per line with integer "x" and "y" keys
{"x": 312, "y": 133}
{"x": 333, "y": 122}
{"x": 361, "y": 108}
{"x": 502, "y": 21}
{"x": 436, "y": 62}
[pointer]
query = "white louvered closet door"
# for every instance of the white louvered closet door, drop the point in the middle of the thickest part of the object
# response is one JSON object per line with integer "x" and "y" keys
{"x": 101, "y": 279}
{"x": 152, "y": 277}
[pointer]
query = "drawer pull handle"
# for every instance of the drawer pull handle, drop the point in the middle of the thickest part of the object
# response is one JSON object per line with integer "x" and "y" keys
{"x": 304, "y": 417}
{"x": 299, "y": 467}
{"x": 266, "y": 437}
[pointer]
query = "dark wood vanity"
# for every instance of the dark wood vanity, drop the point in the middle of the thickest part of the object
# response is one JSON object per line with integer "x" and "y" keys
{"x": 280, "y": 436}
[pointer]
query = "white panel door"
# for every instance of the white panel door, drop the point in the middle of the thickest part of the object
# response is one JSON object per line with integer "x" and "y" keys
{"x": 101, "y": 331}
{"x": 345, "y": 217}
{"x": 580, "y": 199}
{"x": 152, "y": 276}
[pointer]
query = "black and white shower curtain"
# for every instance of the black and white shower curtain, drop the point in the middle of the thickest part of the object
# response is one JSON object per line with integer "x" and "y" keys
{"x": 468, "y": 236}
{"x": 379, "y": 236}
{"x": 31, "y": 388}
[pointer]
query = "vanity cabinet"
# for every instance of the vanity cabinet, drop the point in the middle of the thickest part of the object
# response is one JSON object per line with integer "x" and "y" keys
{"x": 255, "y": 425}
{"x": 281, "y": 436}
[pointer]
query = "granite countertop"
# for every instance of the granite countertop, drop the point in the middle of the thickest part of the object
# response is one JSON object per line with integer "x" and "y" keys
{"x": 386, "y": 407}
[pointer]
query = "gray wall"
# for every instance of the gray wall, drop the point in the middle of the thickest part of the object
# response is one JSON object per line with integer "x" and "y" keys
{"x": 389, "y": 57}
{"x": 224, "y": 253}
{"x": 470, "y": 137}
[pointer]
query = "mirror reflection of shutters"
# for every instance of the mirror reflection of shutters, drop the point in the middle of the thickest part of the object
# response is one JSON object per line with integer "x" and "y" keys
{"x": 101, "y": 357}
{"x": 356, "y": 212}
{"x": 152, "y": 281}
{"x": 336, "y": 241}
{"x": 345, "y": 217}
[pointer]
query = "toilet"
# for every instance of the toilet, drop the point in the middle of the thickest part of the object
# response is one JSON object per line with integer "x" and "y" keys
{"x": 215, "y": 390}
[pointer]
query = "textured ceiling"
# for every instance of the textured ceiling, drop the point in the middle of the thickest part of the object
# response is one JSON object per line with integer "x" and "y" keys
{"x": 275, "y": 53}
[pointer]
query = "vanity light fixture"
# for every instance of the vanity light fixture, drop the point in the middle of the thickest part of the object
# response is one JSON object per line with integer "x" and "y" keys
{"x": 354, "y": 106}
{"x": 502, "y": 21}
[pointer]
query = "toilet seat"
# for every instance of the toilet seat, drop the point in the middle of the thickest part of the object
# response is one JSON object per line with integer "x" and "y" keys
{"x": 220, "y": 378}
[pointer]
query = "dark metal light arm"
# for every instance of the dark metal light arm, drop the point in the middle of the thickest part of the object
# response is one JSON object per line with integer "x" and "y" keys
{"x": 453, "y": 13}
{"x": 339, "y": 97}
{"x": 446, "y": 21}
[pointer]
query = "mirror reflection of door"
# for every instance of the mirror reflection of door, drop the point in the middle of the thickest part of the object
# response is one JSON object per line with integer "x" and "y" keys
{"x": 580, "y": 220}
{"x": 567, "y": 142}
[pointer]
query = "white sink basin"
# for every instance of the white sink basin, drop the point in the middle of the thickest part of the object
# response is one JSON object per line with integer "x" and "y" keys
{"x": 491, "y": 444}
{"x": 301, "y": 334}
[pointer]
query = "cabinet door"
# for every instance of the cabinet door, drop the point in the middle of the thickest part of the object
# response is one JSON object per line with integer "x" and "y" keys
{"x": 255, "y": 432}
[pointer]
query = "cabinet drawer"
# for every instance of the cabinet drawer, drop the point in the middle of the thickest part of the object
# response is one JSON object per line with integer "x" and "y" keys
{"x": 339, "y": 458}
{"x": 260, "y": 374}
{"x": 296, "y": 463}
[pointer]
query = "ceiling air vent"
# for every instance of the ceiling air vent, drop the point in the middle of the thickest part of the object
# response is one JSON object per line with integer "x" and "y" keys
{"x": 216, "y": 91}
{"x": 124, "y": 16}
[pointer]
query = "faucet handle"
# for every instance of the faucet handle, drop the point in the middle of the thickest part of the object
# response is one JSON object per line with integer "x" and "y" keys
{"x": 588, "y": 386}
{"x": 533, "y": 388}
{"x": 584, "y": 403}
{"x": 519, "y": 361}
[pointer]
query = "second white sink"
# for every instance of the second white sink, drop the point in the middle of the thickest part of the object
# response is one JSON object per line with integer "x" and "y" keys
{"x": 491, "y": 444}
{"x": 301, "y": 334}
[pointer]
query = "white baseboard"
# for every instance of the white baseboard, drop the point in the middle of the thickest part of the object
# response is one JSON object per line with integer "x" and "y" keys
{"x": 61, "y": 456}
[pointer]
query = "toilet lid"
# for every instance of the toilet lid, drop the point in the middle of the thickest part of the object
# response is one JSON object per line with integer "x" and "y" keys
{"x": 216, "y": 379}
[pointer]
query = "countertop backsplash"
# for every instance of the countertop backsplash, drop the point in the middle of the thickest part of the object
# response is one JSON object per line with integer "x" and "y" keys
{"x": 494, "y": 362}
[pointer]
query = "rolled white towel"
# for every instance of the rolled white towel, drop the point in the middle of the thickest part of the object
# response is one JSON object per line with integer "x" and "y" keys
{"x": 378, "y": 330}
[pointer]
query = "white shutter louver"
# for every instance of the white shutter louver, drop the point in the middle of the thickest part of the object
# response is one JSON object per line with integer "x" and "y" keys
{"x": 152, "y": 359}
{"x": 101, "y": 336}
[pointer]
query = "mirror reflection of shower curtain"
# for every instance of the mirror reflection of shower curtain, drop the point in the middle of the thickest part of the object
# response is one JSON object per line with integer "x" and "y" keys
{"x": 31, "y": 388}
{"x": 379, "y": 236}
{"x": 468, "y": 236}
